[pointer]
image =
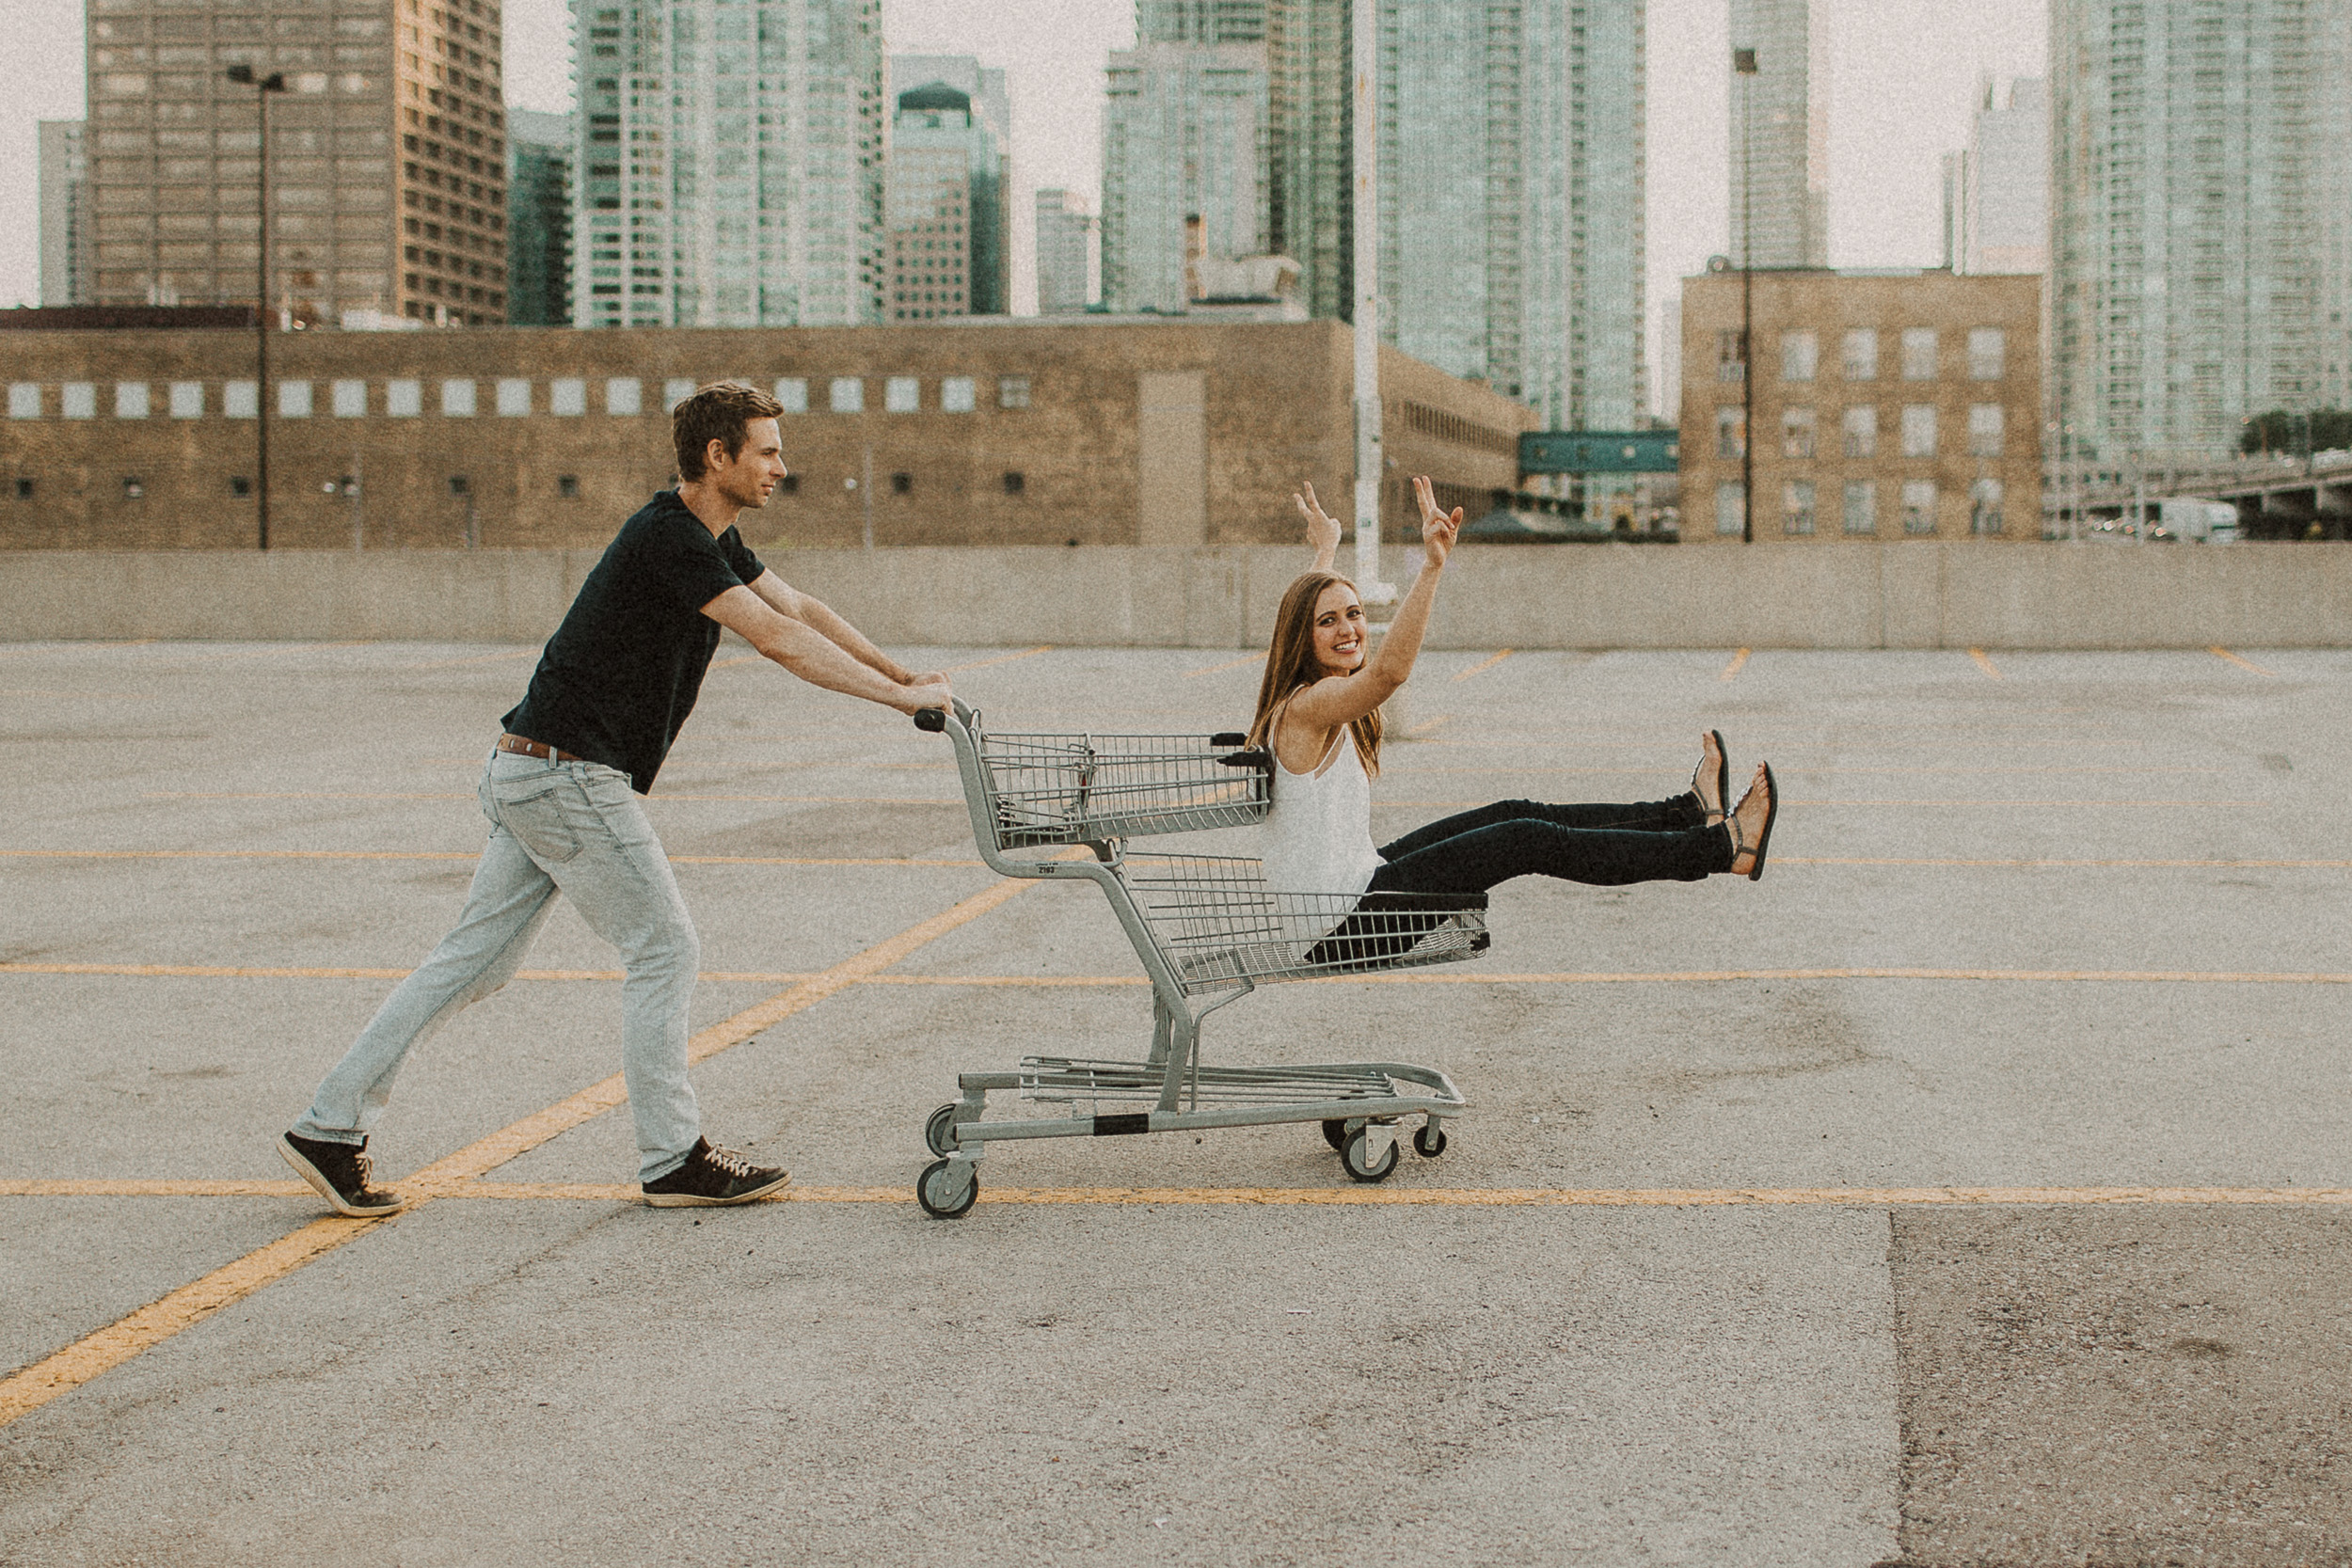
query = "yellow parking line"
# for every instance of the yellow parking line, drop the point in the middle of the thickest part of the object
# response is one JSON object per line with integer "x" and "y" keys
{"x": 2241, "y": 663}
{"x": 61, "y": 1373}
{"x": 1348, "y": 1196}
{"x": 1228, "y": 664}
{"x": 1482, "y": 668}
{"x": 275, "y": 649}
{"x": 451, "y": 855}
{"x": 1985, "y": 663}
{"x": 1001, "y": 658}
{"x": 1739, "y": 661}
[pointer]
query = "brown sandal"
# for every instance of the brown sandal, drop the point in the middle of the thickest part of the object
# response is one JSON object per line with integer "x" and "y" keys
{"x": 1740, "y": 845}
{"x": 1723, "y": 777}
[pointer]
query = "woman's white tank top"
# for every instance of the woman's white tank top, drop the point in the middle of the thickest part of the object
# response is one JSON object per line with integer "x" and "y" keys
{"x": 1318, "y": 834}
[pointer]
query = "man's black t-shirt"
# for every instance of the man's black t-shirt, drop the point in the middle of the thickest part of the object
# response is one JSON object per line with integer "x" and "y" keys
{"x": 621, "y": 674}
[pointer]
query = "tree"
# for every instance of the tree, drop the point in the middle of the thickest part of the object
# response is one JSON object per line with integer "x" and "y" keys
{"x": 2295, "y": 435}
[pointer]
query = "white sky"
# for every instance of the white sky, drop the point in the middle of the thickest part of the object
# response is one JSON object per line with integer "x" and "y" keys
{"x": 1905, "y": 74}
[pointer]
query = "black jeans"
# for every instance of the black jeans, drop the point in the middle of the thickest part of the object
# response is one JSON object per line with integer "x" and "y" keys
{"x": 1607, "y": 846}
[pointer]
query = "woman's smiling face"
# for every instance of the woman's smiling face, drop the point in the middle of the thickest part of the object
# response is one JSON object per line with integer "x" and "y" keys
{"x": 1339, "y": 631}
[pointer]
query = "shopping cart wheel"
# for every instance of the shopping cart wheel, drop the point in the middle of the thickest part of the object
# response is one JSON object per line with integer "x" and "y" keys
{"x": 949, "y": 1188}
{"x": 1357, "y": 1157}
{"x": 940, "y": 1131}
{"x": 1429, "y": 1141}
{"x": 1335, "y": 1133}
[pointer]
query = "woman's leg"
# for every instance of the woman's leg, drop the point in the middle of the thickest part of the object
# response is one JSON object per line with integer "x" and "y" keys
{"x": 1646, "y": 817}
{"x": 1475, "y": 861}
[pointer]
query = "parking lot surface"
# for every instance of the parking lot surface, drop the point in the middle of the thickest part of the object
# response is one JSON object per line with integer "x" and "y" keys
{"x": 1973, "y": 1189}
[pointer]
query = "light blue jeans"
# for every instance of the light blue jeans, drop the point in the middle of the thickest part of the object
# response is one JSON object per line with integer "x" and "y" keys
{"x": 573, "y": 827}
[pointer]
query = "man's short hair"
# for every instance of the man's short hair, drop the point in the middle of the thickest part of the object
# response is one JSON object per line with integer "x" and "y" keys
{"x": 718, "y": 412}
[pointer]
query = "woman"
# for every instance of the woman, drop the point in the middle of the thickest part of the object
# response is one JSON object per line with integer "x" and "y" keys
{"x": 1319, "y": 715}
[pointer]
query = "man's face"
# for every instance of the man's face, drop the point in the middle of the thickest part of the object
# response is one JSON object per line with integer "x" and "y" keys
{"x": 752, "y": 475}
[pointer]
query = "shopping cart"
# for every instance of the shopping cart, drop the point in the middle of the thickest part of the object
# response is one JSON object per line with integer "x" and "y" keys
{"x": 1209, "y": 931}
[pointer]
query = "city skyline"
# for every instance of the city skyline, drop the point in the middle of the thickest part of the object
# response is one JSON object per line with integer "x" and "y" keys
{"x": 1905, "y": 82}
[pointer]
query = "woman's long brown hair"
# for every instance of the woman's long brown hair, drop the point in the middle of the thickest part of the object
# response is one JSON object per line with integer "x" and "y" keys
{"x": 1290, "y": 664}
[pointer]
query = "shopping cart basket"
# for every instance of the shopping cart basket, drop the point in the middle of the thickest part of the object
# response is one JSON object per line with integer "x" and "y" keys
{"x": 1208, "y": 930}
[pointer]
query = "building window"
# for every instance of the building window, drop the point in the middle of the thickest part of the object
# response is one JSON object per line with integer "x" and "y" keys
{"x": 567, "y": 487}
{"x": 1796, "y": 433}
{"x": 789, "y": 484}
{"x": 1014, "y": 483}
{"x": 239, "y": 484}
{"x": 1731, "y": 356}
{"x": 1862, "y": 506}
{"x": 188, "y": 400}
{"x": 847, "y": 395}
{"x": 623, "y": 394}
{"x": 676, "y": 389}
{"x": 514, "y": 396}
{"x": 1862, "y": 432}
{"x": 902, "y": 394}
{"x": 293, "y": 400}
{"x": 1988, "y": 350}
{"x": 1918, "y": 430}
{"x": 792, "y": 392}
{"x": 80, "y": 399}
{"x": 1861, "y": 358}
{"x": 460, "y": 486}
{"x": 349, "y": 399}
{"x": 1012, "y": 391}
{"x": 901, "y": 483}
{"x": 240, "y": 399}
{"x": 1918, "y": 506}
{"x": 1800, "y": 354}
{"x": 1984, "y": 506}
{"x": 1985, "y": 430}
{"x": 131, "y": 399}
{"x": 134, "y": 488}
{"x": 1731, "y": 431}
{"x": 24, "y": 489}
{"x": 567, "y": 397}
{"x": 23, "y": 399}
{"x": 1731, "y": 509}
{"x": 403, "y": 399}
{"x": 1796, "y": 507}
{"x": 956, "y": 395}
{"x": 457, "y": 398}
{"x": 1918, "y": 354}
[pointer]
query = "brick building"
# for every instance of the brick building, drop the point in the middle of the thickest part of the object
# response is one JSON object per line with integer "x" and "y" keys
{"x": 1011, "y": 432}
{"x": 1888, "y": 405}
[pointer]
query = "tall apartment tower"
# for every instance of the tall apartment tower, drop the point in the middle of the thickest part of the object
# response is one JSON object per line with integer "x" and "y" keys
{"x": 539, "y": 151}
{"x": 1185, "y": 135}
{"x": 387, "y": 169}
{"x": 947, "y": 184}
{"x": 1998, "y": 189}
{"x": 1065, "y": 244}
{"x": 2200, "y": 173}
{"x": 729, "y": 171}
{"x": 1780, "y": 135}
{"x": 64, "y": 213}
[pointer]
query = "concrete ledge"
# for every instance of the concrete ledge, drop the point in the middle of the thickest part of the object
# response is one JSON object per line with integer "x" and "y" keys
{"x": 1931, "y": 594}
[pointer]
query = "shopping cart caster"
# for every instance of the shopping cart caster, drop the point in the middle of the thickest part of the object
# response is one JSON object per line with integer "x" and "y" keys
{"x": 940, "y": 1131}
{"x": 950, "y": 1187}
{"x": 1335, "y": 1133}
{"x": 1357, "y": 1157}
{"x": 1429, "y": 1140}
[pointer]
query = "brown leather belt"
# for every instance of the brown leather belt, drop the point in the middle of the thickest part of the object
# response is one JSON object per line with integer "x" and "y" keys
{"x": 536, "y": 749}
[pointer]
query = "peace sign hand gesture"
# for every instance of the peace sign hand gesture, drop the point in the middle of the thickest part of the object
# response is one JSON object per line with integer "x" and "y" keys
{"x": 1439, "y": 530}
{"x": 1322, "y": 531}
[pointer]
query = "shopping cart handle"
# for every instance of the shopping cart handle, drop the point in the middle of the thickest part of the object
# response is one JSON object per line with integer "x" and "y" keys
{"x": 1229, "y": 738}
{"x": 930, "y": 719}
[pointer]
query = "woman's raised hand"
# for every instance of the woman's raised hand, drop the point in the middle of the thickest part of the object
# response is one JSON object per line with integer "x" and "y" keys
{"x": 1439, "y": 530}
{"x": 1323, "y": 532}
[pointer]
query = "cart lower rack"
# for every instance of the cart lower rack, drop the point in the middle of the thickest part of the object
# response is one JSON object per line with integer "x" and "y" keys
{"x": 1208, "y": 932}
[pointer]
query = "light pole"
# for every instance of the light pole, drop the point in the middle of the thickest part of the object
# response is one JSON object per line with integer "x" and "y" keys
{"x": 262, "y": 87}
{"x": 1743, "y": 65}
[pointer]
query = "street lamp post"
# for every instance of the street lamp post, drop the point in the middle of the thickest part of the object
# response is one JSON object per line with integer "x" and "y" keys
{"x": 1743, "y": 65}
{"x": 262, "y": 87}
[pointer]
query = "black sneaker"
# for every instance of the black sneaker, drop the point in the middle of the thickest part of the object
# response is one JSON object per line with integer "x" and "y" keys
{"x": 713, "y": 1178}
{"x": 339, "y": 1172}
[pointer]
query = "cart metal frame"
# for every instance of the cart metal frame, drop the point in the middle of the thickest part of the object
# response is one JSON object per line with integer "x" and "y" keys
{"x": 1207, "y": 930}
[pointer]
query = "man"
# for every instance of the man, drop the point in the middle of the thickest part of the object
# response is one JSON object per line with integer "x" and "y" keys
{"x": 612, "y": 690}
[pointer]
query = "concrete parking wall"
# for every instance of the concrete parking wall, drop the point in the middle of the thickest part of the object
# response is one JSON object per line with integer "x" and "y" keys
{"x": 1924, "y": 594}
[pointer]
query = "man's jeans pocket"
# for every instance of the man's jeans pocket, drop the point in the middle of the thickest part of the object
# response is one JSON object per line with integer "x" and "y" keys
{"x": 543, "y": 806}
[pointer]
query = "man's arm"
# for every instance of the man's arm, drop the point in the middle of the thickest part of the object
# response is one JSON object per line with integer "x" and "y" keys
{"x": 820, "y": 617}
{"x": 817, "y": 658}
